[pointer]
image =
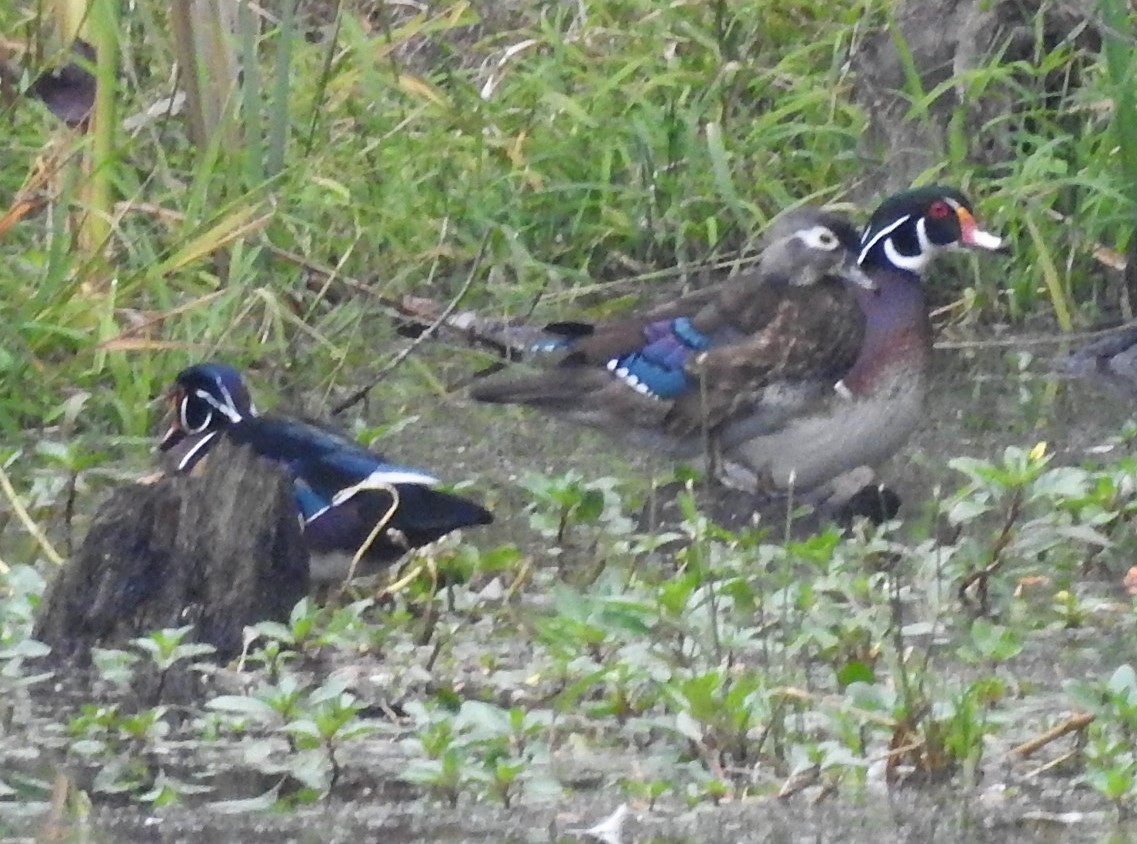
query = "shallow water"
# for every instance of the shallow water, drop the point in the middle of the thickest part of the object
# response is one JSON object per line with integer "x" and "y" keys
{"x": 949, "y": 817}
{"x": 983, "y": 401}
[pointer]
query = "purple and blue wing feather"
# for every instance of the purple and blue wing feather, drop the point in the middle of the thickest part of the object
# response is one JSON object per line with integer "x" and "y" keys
{"x": 342, "y": 490}
{"x": 697, "y": 363}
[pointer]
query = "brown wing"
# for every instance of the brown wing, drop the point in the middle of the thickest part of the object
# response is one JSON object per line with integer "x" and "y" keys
{"x": 743, "y": 304}
{"x": 813, "y": 332}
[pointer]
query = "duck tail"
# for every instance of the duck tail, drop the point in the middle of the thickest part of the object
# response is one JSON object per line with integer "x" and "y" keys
{"x": 552, "y": 391}
{"x": 425, "y": 514}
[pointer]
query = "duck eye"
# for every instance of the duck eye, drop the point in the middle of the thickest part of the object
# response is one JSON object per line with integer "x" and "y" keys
{"x": 939, "y": 209}
{"x": 821, "y": 238}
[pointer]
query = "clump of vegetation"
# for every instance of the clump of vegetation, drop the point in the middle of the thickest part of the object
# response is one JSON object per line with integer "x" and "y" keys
{"x": 722, "y": 665}
{"x": 323, "y": 166}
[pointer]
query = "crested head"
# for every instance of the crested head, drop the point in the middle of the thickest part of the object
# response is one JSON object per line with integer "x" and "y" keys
{"x": 206, "y": 397}
{"x": 805, "y": 244}
{"x": 806, "y": 217}
{"x": 910, "y": 227}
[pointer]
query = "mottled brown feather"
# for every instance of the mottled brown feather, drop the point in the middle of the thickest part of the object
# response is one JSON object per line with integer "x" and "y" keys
{"x": 810, "y": 332}
{"x": 794, "y": 317}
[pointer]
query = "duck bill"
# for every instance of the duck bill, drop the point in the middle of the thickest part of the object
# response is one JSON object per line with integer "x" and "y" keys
{"x": 174, "y": 435}
{"x": 974, "y": 237}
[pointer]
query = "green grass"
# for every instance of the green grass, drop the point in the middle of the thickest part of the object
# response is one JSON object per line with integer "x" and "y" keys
{"x": 636, "y": 138}
{"x": 633, "y": 138}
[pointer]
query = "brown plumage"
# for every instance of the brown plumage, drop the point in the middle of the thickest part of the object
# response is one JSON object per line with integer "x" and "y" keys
{"x": 700, "y": 364}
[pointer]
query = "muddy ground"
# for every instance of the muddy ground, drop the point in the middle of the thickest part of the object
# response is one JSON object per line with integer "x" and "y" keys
{"x": 985, "y": 400}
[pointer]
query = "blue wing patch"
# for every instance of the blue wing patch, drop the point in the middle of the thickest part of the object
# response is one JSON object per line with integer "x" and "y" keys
{"x": 309, "y": 502}
{"x": 656, "y": 369}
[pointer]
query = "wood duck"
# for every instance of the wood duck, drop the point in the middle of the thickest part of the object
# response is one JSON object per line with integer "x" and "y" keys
{"x": 342, "y": 490}
{"x": 813, "y": 365}
{"x": 685, "y": 372}
{"x": 878, "y": 403}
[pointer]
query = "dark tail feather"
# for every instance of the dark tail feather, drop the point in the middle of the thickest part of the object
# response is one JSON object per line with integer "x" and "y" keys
{"x": 557, "y": 389}
{"x": 426, "y": 514}
{"x": 423, "y": 515}
{"x": 571, "y": 329}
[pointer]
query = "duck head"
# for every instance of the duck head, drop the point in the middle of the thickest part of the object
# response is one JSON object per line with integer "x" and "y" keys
{"x": 804, "y": 245}
{"x": 909, "y": 228}
{"x": 205, "y": 398}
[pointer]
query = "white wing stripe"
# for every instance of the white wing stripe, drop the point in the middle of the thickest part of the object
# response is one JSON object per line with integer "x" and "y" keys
{"x": 382, "y": 480}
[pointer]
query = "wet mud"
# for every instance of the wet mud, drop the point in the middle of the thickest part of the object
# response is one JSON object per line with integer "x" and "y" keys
{"x": 985, "y": 400}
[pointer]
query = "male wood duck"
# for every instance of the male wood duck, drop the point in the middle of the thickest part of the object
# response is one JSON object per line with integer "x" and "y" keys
{"x": 795, "y": 374}
{"x": 342, "y": 490}
{"x": 876, "y": 406}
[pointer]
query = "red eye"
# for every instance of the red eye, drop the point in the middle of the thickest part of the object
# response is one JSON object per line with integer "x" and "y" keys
{"x": 939, "y": 209}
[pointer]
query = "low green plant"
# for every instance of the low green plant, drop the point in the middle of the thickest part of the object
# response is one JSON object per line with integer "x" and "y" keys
{"x": 315, "y": 722}
{"x": 311, "y": 626}
{"x": 123, "y": 747}
{"x": 1036, "y": 511}
{"x": 480, "y": 749}
{"x": 1111, "y": 761}
{"x": 560, "y": 502}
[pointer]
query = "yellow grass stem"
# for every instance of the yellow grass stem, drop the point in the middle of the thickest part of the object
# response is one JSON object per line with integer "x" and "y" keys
{"x": 1054, "y": 286}
{"x": 380, "y": 526}
{"x": 95, "y": 229}
{"x": 26, "y": 520}
{"x": 233, "y": 226}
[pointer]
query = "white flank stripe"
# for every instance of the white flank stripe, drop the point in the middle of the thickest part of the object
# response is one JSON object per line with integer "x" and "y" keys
{"x": 381, "y": 480}
{"x": 400, "y": 476}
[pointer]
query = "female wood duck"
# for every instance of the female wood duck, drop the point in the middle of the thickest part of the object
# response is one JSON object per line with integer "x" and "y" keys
{"x": 691, "y": 369}
{"x": 342, "y": 490}
{"x": 796, "y": 373}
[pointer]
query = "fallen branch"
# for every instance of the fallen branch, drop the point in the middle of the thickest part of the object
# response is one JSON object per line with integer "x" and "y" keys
{"x": 362, "y": 392}
{"x": 1077, "y": 721}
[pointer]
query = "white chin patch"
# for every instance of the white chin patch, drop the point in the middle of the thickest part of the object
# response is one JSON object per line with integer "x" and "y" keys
{"x": 912, "y": 263}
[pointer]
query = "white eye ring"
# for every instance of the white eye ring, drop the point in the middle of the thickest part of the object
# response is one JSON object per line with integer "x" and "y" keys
{"x": 184, "y": 413}
{"x": 820, "y": 237}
